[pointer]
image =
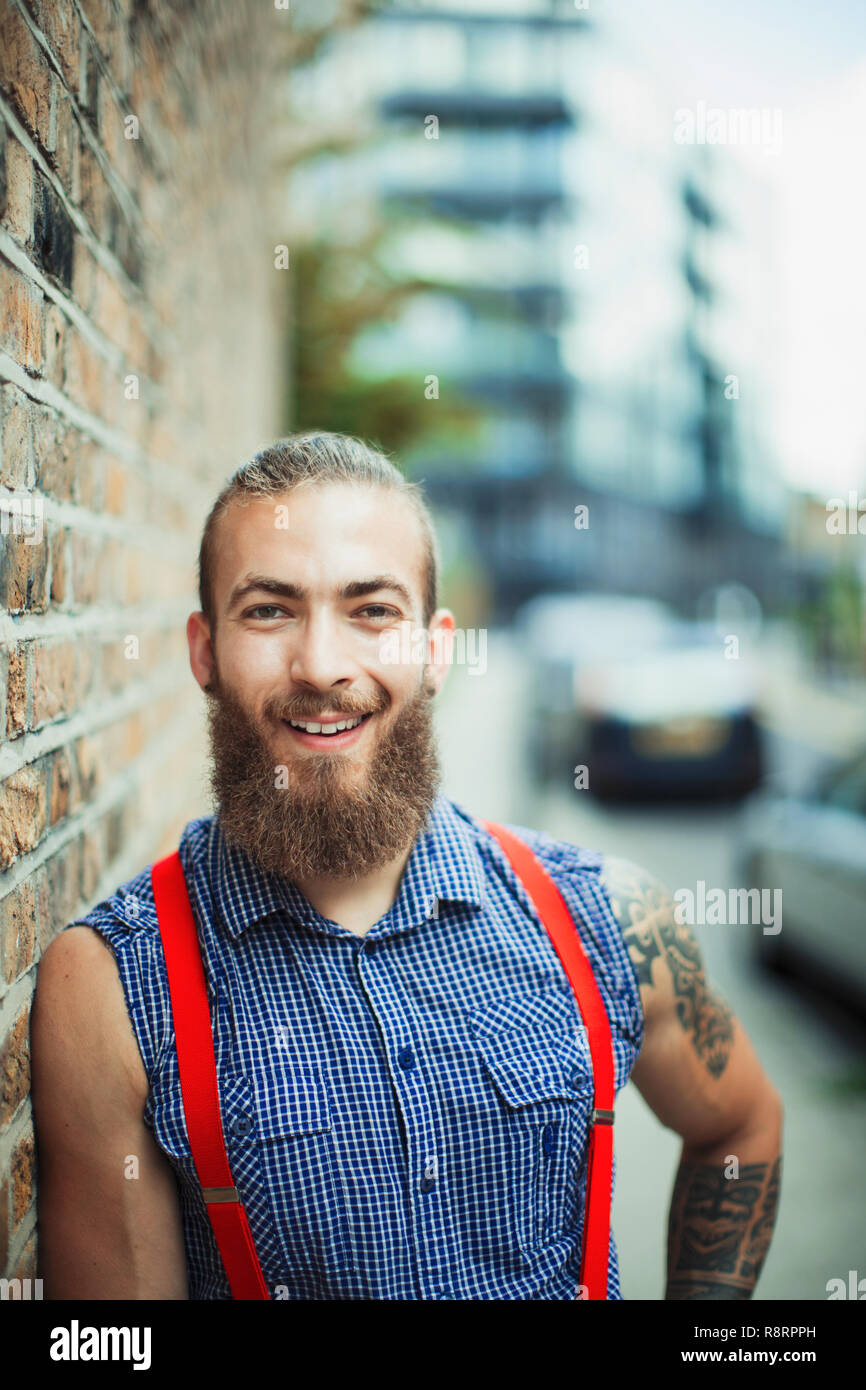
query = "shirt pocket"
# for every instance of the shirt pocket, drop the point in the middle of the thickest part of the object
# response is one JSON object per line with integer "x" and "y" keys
{"x": 165, "y": 1114}
{"x": 294, "y": 1142}
{"x": 277, "y": 1132}
{"x": 537, "y": 1095}
{"x": 167, "y": 1117}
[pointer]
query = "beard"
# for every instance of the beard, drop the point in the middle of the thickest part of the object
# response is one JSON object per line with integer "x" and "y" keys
{"x": 308, "y": 814}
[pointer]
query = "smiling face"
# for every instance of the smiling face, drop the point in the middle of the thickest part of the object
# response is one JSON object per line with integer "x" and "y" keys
{"x": 312, "y": 591}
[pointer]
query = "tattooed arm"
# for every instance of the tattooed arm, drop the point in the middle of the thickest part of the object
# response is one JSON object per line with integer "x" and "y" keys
{"x": 699, "y": 1073}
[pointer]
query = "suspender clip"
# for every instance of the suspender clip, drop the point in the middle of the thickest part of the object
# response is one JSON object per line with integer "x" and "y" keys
{"x": 602, "y": 1117}
{"x": 220, "y": 1194}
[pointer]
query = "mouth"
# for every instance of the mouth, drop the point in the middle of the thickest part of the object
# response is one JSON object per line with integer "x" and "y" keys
{"x": 335, "y": 733}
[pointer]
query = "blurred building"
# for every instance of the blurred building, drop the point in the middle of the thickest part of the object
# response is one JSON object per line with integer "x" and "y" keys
{"x": 594, "y": 293}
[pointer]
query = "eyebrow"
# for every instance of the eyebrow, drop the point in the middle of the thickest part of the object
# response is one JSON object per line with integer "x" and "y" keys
{"x": 280, "y": 588}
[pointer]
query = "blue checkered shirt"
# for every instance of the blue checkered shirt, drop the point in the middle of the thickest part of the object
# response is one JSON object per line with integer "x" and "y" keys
{"x": 405, "y": 1112}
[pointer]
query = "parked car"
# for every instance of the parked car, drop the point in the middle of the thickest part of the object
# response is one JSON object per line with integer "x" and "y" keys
{"x": 679, "y": 722}
{"x": 561, "y": 634}
{"x": 813, "y": 848}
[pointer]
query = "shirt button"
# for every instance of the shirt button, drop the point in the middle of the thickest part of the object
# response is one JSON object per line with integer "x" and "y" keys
{"x": 547, "y": 1140}
{"x": 241, "y": 1124}
{"x": 406, "y": 1058}
{"x": 427, "y": 1184}
{"x": 443, "y": 1293}
{"x": 576, "y": 1079}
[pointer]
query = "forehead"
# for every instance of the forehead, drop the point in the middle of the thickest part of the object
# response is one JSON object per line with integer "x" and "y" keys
{"x": 320, "y": 535}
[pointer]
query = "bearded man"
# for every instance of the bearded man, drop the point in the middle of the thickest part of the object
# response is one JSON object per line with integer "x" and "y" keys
{"x": 404, "y": 1080}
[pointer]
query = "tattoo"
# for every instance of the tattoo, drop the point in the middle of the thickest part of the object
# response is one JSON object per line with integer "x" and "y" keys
{"x": 645, "y": 911}
{"x": 719, "y": 1229}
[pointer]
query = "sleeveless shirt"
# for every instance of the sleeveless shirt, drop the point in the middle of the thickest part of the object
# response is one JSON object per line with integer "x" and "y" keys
{"x": 406, "y": 1112}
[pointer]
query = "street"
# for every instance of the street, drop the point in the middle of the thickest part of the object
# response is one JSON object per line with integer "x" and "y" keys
{"x": 813, "y": 1059}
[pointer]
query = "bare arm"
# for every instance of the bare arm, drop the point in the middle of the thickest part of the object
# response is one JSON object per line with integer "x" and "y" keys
{"x": 102, "y": 1234}
{"x": 699, "y": 1073}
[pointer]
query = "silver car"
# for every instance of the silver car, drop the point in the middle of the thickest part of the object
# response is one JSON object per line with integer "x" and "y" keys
{"x": 813, "y": 847}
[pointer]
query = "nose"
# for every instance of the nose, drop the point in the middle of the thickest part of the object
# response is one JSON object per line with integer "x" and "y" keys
{"x": 320, "y": 659}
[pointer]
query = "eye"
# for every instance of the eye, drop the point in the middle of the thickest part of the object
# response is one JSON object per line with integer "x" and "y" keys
{"x": 262, "y": 608}
{"x": 381, "y": 610}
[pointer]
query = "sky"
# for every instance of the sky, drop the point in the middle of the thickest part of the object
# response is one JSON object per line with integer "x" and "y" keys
{"x": 809, "y": 61}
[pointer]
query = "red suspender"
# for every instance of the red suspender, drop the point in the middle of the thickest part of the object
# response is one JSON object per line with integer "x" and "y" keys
{"x": 553, "y": 912}
{"x": 198, "y": 1078}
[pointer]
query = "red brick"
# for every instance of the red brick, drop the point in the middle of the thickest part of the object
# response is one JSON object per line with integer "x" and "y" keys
{"x": 89, "y": 568}
{"x": 89, "y": 669}
{"x": 46, "y": 116}
{"x": 16, "y": 691}
{"x": 18, "y": 217}
{"x": 100, "y": 15}
{"x": 57, "y": 893}
{"x": 86, "y": 373}
{"x": 18, "y": 927}
{"x": 93, "y": 193}
{"x": 57, "y": 544}
{"x": 17, "y": 468}
{"x": 83, "y": 276}
{"x": 23, "y": 572}
{"x": 53, "y": 682}
{"x": 23, "y": 70}
{"x": 55, "y": 338}
{"x": 66, "y": 153}
{"x": 22, "y": 1172}
{"x": 56, "y": 452}
{"x": 116, "y": 482}
{"x": 111, "y": 311}
{"x": 89, "y": 472}
{"x": 15, "y": 1067}
{"x": 21, "y": 318}
{"x": 61, "y": 26}
{"x": 22, "y": 812}
{"x": 61, "y": 786}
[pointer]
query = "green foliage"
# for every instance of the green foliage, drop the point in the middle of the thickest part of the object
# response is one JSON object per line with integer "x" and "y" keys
{"x": 339, "y": 291}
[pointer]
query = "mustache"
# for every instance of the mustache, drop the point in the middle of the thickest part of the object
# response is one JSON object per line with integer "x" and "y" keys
{"x": 308, "y": 707}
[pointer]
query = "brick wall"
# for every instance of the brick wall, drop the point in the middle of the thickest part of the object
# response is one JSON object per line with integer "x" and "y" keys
{"x": 138, "y": 368}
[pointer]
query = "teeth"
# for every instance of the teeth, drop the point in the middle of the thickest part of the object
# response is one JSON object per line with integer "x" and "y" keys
{"x": 312, "y": 728}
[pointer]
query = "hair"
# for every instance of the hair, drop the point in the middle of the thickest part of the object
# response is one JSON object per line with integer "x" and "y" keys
{"x": 317, "y": 457}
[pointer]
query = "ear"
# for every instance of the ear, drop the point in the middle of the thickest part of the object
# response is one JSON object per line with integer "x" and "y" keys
{"x": 440, "y": 649}
{"x": 201, "y": 657}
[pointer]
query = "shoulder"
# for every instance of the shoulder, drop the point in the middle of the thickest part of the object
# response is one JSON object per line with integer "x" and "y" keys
{"x": 575, "y": 870}
{"x": 667, "y": 961}
{"x": 104, "y": 973}
{"x": 646, "y": 912}
{"x": 82, "y": 1039}
{"x": 643, "y": 906}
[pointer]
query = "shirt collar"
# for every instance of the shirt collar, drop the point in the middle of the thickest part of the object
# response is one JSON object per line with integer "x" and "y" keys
{"x": 444, "y": 866}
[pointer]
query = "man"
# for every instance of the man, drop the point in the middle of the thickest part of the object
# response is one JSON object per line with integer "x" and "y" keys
{"x": 404, "y": 1080}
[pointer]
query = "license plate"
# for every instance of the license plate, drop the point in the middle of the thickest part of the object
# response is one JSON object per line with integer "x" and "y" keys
{"x": 680, "y": 738}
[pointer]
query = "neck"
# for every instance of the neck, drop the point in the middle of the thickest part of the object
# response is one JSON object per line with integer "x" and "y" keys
{"x": 358, "y": 903}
